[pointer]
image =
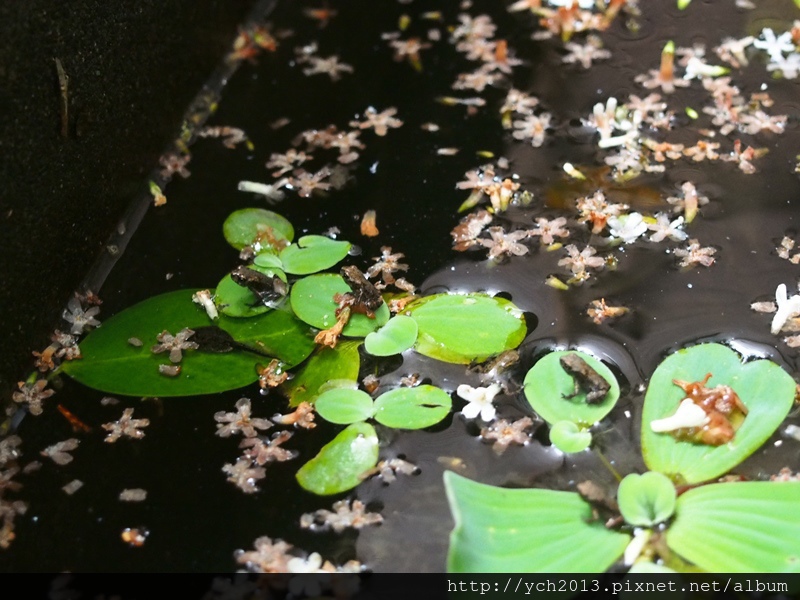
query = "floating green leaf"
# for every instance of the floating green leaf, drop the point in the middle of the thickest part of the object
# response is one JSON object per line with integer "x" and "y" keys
{"x": 269, "y": 261}
{"x": 345, "y": 406}
{"x": 749, "y": 526}
{"x": 339, "y": 465}
{"x": 569, "y": 437}
{"x": 313, "y": 253}
{"x": 312, "y": 301}
{"x": 765, "y": 389}
{"x": 398, "y": 335}
{"x": 646, "y": 500}
{"x": 112, "y": 365}
{"x": 236, "y": 300}
{"x": 412, "y": 408}
{"x": 460, "y": 328}
{"x": 526, "y": 530}
{"x": 340, "y": 363}
{"x": 245, "y": 226}
{"x": 547, "y": 384}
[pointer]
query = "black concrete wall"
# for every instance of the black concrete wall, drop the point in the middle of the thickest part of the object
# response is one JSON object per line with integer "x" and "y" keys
{"x": 133, "y": 68}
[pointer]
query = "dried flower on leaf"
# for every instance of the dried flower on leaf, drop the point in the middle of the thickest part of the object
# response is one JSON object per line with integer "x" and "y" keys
{"x": 175, "y": 344}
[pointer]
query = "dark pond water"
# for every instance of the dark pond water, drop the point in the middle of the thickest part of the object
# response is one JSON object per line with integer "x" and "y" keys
{"x": 196, "y": 519}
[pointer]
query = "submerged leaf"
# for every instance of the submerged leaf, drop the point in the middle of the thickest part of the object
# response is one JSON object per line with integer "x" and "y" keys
{"x": 326, "y": 365}
{"x": 248, "y": 225}
{"x": 526, "y": 530}
{"x": 312, "y": 301}
{"x": 339, "y": 465}
{"x": 548, "y": 385}
{"x": 313, "y": 253}
{"x": 112, "y": 365}
{"x": 763, "y": 387}
{"x": 398, "y": 335}
{"x": 749, "y": 526}
{"x": 461, "y": 328}
{"x": 412, "y": 408}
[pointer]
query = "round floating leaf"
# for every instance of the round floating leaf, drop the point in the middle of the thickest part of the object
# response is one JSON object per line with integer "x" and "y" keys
{"x": 112, "y": 365}
{"x": 236, "y": 300}
{"x": 763, "y": 387}
{"x": 526, "y": 530}
{"x": 325, "y": 366}
{"x": 547, "y": 386}
{"x": 412, "y": 408}
{"x": 749, "y": 526}
{"x": 245, "y": 226}
{"x": 569, "y": 438}
{"x": 398, "y": 335}
{"x": 312, "y": 301}
{"x": 344, "y": 406}
{"x": 339, "y": 465}
{"x": 313, "y": 253}
{"x": 646, "y": 500}
{"x": 269, "y": 261}
{"x": 461, "y": 328}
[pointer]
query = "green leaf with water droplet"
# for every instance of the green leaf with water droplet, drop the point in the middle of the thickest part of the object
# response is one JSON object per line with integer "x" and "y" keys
{"x": 237, "y": 300}
{"x": 412, "y": 408}
{"x": 743, "y": 526}
{"x": 398, "y": 335}
{"x": 325, "y": 365}
{"x": 245, "y": 226}
{"x": 461, "y": 328}
{"x": 340, "y": 464}
{"x": 647, "y": 499}
{"x": 547, "y": 386}
{"x": 526, "y": 530}
{"x": 763, "y": 387}
{"x": 344, "y": 406}
{"x": 569, "y": 437}
{"x": 110, "y": 364}
{"x": 313, "y": 253}
{"x": 312, "y": 301}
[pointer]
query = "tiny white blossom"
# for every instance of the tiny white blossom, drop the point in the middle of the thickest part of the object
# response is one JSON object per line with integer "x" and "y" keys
{"x": 627, "y": 227}
{"x": 787, "y": 308}
{"x": 774, "y": 46}
{"x": 480, "y": 401}
{"x": 688, "y": 414}
{"x": 663, "y": 228}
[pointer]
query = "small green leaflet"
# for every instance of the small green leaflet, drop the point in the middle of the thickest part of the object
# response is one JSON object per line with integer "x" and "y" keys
{"x": 313, "y": 253}
{"x": 326, "y": 364}
{"x": 248, "y": 225}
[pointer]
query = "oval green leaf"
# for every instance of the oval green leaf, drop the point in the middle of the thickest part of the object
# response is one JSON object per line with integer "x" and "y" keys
{"x": 344, "y": 406}
{"x": 110, "y": 364}
{"x": 326, "y": 365}
{"x": 461, "y": 328}
{"x": 763, "y": 387}
{"x": 526, "y": 530}
{"x": 312, "y": 301}
{"x": 245, "y": 226}
{"x": 749, "y": 526}
{"x": 547, "y": 384}
{"x": 569, "y": 437}
{"x": 412, "y": 408}
{"x": 646, "y": 500}
{"x": 339, "y": 465}
{"x": 313, "y": 253}
{"x": 236, "y": 300}
{"x": 269, "y": 261}
{"x": 398, "y": 335}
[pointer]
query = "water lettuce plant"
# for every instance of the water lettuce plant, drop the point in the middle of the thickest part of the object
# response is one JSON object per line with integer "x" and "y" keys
{"x": 730, "y": 525}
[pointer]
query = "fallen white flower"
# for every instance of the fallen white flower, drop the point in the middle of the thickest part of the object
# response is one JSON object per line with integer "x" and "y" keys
{"x": 634, "y": 549}
{"x": 688, "y": 414}
{"x": 480, "y": 401}
{"x": 787, "y": 308}
{"x": 627, "y": 227}
{"x": 204, "y": 299}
